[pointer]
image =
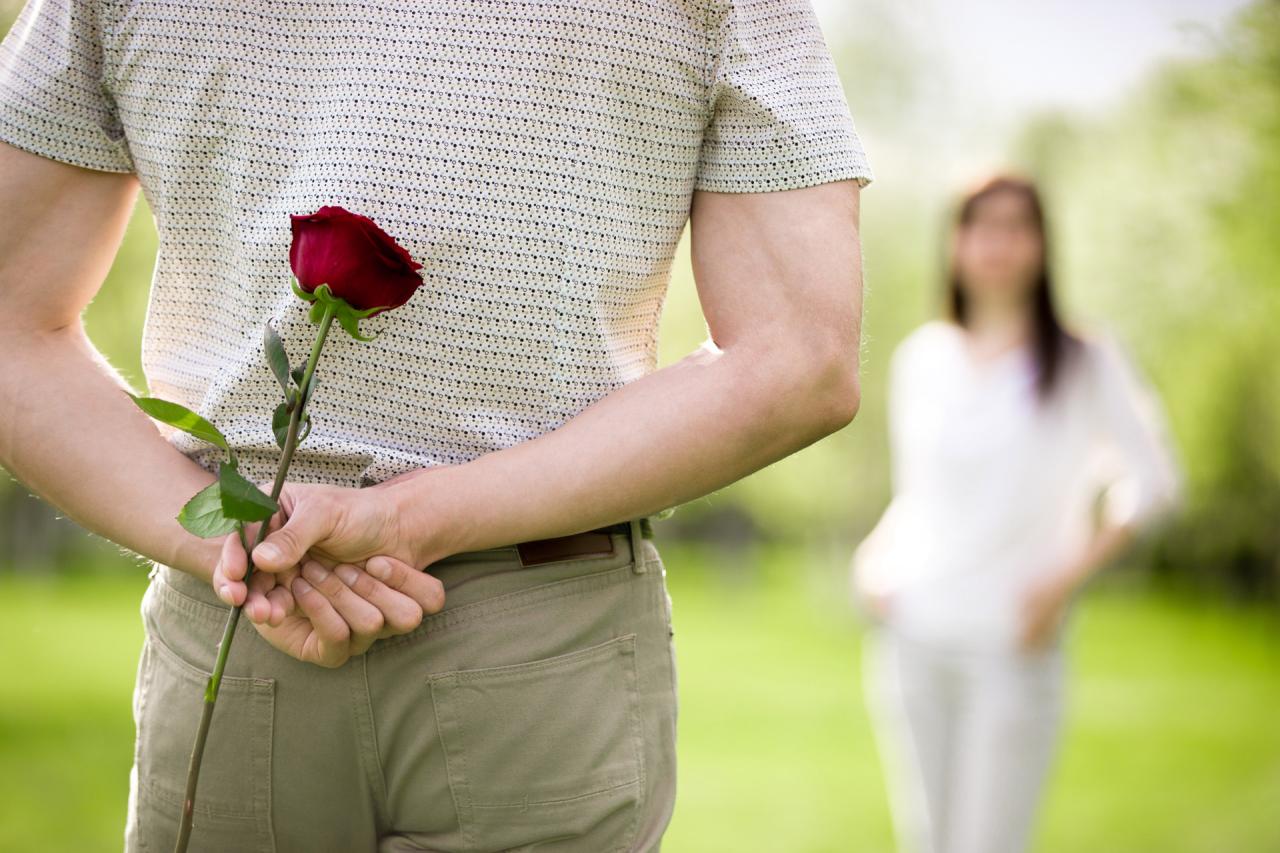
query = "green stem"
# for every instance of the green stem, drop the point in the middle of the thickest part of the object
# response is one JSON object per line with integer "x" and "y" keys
{"x": 215, "y": 679}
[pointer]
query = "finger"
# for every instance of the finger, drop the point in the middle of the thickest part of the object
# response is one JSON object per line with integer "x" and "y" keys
{"x": 228, "y": 574}
{"x": 423, "y": 588}
{"x": 231, "y": 590}
{"x": 288, "y": 546}
{"x": 330, "y": 635}
{"x": 400, "y": 613}
{"x": 232, "y": 559}
{"x": 256, "y": 605}
{"x": 232, "y": 556}
{"x": 362, "y": 616}
{"x": 282, "y": 604}
{"x": 233, "y": 564}
{"x": 282, "y": 601}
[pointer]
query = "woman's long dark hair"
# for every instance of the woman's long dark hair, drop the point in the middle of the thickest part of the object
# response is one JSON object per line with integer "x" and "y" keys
{"x": 1052, "y": 343}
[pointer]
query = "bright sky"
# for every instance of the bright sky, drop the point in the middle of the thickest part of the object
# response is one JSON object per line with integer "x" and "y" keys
{"x": 988, "y": 64}
{"x": 1074, "y": 53}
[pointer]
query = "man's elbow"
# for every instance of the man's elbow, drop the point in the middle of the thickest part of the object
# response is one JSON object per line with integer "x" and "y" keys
{"x": 811, "y": 390}
{"x": 837, "y": 392}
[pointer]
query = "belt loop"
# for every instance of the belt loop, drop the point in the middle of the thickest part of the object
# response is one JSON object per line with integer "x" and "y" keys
{"x": 637, "y": 547}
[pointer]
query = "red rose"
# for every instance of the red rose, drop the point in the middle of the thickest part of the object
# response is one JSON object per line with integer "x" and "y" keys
{"x": 362, "y": 264}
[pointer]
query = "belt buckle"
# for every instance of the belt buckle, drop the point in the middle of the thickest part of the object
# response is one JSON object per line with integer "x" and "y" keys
{"x": 538, "y": 551}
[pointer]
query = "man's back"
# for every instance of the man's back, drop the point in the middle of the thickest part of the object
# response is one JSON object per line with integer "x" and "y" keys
{"x": 539, "y": 159}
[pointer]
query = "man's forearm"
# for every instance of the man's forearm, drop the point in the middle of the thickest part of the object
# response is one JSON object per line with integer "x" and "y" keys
{"x": 674, "y": 435}
{"x": 69, "y": 433}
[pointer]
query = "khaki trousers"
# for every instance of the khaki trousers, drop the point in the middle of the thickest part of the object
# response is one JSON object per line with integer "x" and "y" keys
{"x": 537, "y": 711}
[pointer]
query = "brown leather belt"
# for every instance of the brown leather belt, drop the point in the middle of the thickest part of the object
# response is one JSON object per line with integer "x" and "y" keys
{"x": 596, "y": 541}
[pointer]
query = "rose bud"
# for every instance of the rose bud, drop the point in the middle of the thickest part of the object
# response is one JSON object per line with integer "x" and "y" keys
{"x": 362, "y": 264}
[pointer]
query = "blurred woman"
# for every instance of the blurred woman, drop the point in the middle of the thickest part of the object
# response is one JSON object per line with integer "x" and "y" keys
{"x": 1005, "y": 429}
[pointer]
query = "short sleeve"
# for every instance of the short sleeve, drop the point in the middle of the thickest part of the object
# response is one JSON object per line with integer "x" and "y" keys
{"x": 779, "y": 118}
{"x": 52, "y": 98}
{"x": 1141, "y": 474}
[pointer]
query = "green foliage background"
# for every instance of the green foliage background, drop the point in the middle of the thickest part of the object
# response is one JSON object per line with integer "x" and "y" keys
{"x": 1165, "y": 216}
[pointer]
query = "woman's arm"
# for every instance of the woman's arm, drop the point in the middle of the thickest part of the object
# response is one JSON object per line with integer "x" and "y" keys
{"x": 1144, "y": 480}
{"x": 1047, "y": 599}
{"x": 1140, "y": 473}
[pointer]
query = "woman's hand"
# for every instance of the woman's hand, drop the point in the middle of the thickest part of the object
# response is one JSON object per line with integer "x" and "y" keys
{"x": 869, "y": 592}
{"x": 1044, "y": 604}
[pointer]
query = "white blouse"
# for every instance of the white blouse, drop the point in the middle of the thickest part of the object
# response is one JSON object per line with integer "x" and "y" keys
{"x": 992, "y": 490}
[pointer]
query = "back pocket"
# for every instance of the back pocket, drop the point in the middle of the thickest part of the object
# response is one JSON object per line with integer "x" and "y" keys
{"x": 232, "y": 808}
{"x": 546, "y": 752}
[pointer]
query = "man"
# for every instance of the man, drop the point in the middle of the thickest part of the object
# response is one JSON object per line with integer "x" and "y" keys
{"x": 508, "y": 429}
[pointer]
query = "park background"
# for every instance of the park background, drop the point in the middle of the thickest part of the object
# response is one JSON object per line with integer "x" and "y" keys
{"x": 1155, "y": 129}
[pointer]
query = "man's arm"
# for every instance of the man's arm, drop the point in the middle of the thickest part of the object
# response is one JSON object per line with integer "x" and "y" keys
{"x": 779, "y": 276}
{"x": 67, "y": 430}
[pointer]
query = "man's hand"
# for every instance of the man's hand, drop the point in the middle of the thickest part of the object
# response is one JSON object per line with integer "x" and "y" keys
{"x": 340, "y": 619}
{"x": 345, "y": 606}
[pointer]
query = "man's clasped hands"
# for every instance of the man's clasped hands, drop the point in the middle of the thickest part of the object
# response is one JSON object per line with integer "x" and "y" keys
{"x": 336, "y": 571}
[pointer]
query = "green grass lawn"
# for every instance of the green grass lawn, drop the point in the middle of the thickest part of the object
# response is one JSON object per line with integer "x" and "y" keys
{"x": 1172, "y": 742}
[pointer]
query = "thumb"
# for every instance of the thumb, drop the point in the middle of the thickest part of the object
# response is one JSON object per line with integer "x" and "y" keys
{"x": 309, "y": 524}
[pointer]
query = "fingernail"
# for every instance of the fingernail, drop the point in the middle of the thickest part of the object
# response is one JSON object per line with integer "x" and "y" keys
{"x": 301, "y": 585}
{"x": 268, "y": 552}
{"x": 348, "y": 574}
{"x": 315, "y": 572}
{"x": 222, "y": 593}
{"x": 378, "y": 568}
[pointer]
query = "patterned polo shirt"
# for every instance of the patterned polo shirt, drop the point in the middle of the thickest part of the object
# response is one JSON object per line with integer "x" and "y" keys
{"x": 538, "y": 158}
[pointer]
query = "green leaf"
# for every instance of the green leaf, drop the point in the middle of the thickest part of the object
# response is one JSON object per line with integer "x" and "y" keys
{"x": 242, "y": 499}
{"x": 203, "y": 515}
{"x": 184, "y": 419}
{"x": 280, "y": 424}
{"x": 305, "y": 429}
{"x": 276, "y": 356}
{"x": 296, "y": 373}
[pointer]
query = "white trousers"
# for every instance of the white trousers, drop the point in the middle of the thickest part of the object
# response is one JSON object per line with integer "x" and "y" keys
{"x": 966, "y": 738}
